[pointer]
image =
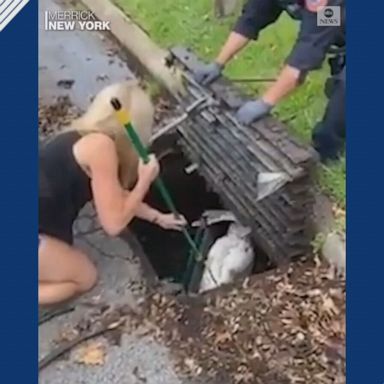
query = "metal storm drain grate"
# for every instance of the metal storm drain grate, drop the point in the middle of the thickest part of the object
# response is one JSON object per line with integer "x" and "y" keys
{"x": 209, "y": 162}
{"x": 260, "y": 172}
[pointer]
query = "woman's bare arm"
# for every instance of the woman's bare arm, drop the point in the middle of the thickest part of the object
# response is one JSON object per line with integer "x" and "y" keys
{"x": 163, "y": 220}
{"x": 145, "y": 212}
{"x": 115, "y": 206}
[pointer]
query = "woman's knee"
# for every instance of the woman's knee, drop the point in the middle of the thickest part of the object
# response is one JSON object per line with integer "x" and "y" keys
{"x": 87, "y": 279}
{"x": 60, "y": 262}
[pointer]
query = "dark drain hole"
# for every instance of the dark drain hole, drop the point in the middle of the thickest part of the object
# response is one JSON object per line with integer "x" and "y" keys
{"x": 167, "y": 251}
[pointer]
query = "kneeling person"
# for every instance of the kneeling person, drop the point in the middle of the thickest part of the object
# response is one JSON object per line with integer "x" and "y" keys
{"x": 93, "y": 160}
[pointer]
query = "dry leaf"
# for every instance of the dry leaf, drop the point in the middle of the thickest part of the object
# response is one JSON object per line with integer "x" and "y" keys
{"x": 247, "y": 377}
{"x": 91, "y": 354}
{"x": 331, "y": 273}
{"x": 336, "y": 293}
{"x": 286, "y": 321}
{"x": 246, "y": 283}
{"x": 66, "y": 335}
{"x": 314, "y": 292}
{"x": 338, "y": 212}
{"x": 223, "y": 337}
{"x": 193, "y": 367}
{"x": 116, "y": 324}
{"x": 317, "y": 260}
{"x": 329, "y": 306}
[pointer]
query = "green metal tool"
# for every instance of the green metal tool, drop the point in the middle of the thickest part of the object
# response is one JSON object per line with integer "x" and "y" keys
{"x": 125, "y": 120}
{"x": 191, "y": 261}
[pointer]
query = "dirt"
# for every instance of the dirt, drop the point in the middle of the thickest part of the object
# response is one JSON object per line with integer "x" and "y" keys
{"x": 54, "y": 117}
{"x": 60, "y": 113}
{"x": 283, "y": 327}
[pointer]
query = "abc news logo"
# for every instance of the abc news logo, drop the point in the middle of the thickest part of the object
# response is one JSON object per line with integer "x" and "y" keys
{"x": 329, "y": 17}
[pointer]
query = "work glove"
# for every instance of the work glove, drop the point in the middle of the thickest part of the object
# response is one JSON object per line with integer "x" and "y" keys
{"x": 252, "y": 111}
{"x": 208, "y": 73}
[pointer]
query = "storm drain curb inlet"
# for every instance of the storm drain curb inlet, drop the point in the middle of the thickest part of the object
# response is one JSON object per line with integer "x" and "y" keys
{"x": 229, "y": 157}
{"x": 227, "y": 160}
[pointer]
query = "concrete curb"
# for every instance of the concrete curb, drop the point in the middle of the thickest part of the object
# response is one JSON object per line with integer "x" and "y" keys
{"x": 334, "y": 251}
{"x": 333, "y": 247}
{"x": 151, "y": 56}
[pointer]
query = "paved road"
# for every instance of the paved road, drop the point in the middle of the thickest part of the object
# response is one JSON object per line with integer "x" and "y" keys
{"x": 89, "y": 59}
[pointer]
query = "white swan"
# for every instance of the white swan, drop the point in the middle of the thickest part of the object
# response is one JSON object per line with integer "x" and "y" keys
{"x": 230, "y": 257}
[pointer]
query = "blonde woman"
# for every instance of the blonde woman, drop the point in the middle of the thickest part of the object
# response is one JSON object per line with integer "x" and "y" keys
{"x": 93, "y": 160}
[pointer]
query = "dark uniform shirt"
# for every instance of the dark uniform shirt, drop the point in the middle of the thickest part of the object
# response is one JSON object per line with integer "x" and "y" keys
{"x": 313, "y": 41}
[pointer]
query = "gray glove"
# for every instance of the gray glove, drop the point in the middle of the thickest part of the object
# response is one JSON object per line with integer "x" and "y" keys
{"x": 208, "y": 73}
{"x": 252, "y": 111}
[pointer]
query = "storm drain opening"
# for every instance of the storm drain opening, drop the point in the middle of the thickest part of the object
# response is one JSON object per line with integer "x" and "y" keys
{"x": 258, "y": 172}
{"x": 168, "y": 251}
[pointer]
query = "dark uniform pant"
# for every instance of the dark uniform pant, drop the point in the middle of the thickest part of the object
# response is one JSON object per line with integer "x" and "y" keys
{"x": 329, "y": 134}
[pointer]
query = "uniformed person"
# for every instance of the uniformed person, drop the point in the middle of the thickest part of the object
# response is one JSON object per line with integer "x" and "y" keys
{"x": 314, "y": 42}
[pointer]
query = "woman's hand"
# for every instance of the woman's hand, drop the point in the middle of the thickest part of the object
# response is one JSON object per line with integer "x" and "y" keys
{"x": 149, "y": 171}
{"x": 170, "y": 221}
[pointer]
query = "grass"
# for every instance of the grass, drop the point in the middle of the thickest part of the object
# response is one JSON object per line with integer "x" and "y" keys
{"x": 191, "y": 23}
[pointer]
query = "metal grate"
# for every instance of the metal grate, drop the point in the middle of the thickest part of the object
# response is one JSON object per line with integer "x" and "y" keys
{"x": 230, "y": 157}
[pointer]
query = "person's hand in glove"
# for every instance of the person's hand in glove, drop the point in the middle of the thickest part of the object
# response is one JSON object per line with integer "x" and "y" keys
{"x": 208, "y": 73}
{"x": 252, "y": 111}
{"x": 287, "y": 81}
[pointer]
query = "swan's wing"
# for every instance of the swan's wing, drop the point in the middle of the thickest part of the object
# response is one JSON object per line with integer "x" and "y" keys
{"x": 238, "y": 259}
{"x": 228, "y": 258}
{"x": 213, "y": 264}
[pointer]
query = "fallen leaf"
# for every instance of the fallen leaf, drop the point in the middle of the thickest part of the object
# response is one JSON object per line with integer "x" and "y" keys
{"x": 66, "y": 335}
{"x": 314, "y": 292}
{"x": 336, "y": 293}
{"x": 223, "y": 337}
{"x": 329, "y": 306}
{"x": 246, "y": 283}
{"x": 338, "y": 212}
{"x": 91, "y": 354}
{"x": 247, "y": 377}
{"x": 116, "y": 324}
{"x": 193, "y": 367}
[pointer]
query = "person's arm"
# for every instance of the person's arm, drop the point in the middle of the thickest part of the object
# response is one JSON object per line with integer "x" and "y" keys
{"x": 163, "y": 220}
{"x": 286, "y": 82}
{"x": 308, "y": 54}
{"x": 115, "y": 206}
{"x": 234, "y": 44}
{"x": 256, "y": 15}
{"x": 147, "y": 213}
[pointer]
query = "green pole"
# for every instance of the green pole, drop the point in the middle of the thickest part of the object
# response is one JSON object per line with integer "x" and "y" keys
{"x": 123, "y": 117}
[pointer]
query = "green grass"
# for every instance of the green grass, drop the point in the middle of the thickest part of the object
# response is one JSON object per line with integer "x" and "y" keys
{"x": 192, "y": 24}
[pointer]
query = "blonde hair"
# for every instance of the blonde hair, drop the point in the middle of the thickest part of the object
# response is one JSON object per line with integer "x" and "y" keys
{"x": 100, "y": 117}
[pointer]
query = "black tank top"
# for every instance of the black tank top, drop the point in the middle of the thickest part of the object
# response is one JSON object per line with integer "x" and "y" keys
{"x": 64, "y": 188}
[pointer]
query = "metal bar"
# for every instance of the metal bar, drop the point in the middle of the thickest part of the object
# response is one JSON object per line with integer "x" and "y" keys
{"x": 169, "y": 128}
{"x": 253, "y": 80}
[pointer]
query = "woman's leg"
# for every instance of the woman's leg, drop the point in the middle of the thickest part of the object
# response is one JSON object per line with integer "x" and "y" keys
{"x": 64, "y": 271}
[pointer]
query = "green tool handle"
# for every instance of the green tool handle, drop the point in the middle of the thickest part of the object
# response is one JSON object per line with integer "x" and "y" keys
{"x": 143, "y": 153}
